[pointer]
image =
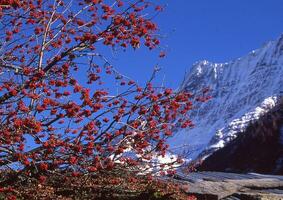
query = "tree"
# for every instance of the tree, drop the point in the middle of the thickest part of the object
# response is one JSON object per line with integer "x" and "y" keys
{"x": 56, "y": 113}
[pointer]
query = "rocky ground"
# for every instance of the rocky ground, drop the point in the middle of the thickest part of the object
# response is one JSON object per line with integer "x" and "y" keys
{"x": 195, "y": 185}
{"x": 231, "y": 186}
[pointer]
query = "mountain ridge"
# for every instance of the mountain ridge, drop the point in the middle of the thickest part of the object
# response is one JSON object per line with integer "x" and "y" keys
{"x": 242, "y": 90}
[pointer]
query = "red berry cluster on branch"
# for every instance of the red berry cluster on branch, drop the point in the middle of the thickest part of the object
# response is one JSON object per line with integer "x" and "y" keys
{"x": 52, "y": 93}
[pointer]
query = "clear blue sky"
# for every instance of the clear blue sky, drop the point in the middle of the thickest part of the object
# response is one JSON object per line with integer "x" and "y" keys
{"x": 214, "y": 30}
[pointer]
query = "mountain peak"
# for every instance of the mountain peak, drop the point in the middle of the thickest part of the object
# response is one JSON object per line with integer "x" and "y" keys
{"x": 242, "y": 90}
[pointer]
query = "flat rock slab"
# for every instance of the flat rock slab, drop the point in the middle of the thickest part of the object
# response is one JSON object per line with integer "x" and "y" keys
{"x": 231, "y": 186}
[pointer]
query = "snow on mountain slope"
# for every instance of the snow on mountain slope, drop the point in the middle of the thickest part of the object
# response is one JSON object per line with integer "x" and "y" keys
{"x": 242, "y": 91}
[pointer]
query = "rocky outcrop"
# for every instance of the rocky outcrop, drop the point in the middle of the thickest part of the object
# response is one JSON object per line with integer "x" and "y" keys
{"x": 230, "y": 186}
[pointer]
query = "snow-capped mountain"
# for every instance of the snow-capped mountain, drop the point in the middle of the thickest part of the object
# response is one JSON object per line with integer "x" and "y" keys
{"x": 242, "y": 90}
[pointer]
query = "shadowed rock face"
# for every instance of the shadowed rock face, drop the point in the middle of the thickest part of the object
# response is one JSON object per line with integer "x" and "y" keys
{"x": 258, "y": 149}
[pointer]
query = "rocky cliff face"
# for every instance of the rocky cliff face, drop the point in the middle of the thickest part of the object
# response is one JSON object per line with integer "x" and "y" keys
{"x": 258, "y": 149}
{"x": 242, "y": 90}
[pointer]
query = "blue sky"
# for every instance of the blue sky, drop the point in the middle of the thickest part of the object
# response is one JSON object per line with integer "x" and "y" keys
{"x": 214, "y": 30}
